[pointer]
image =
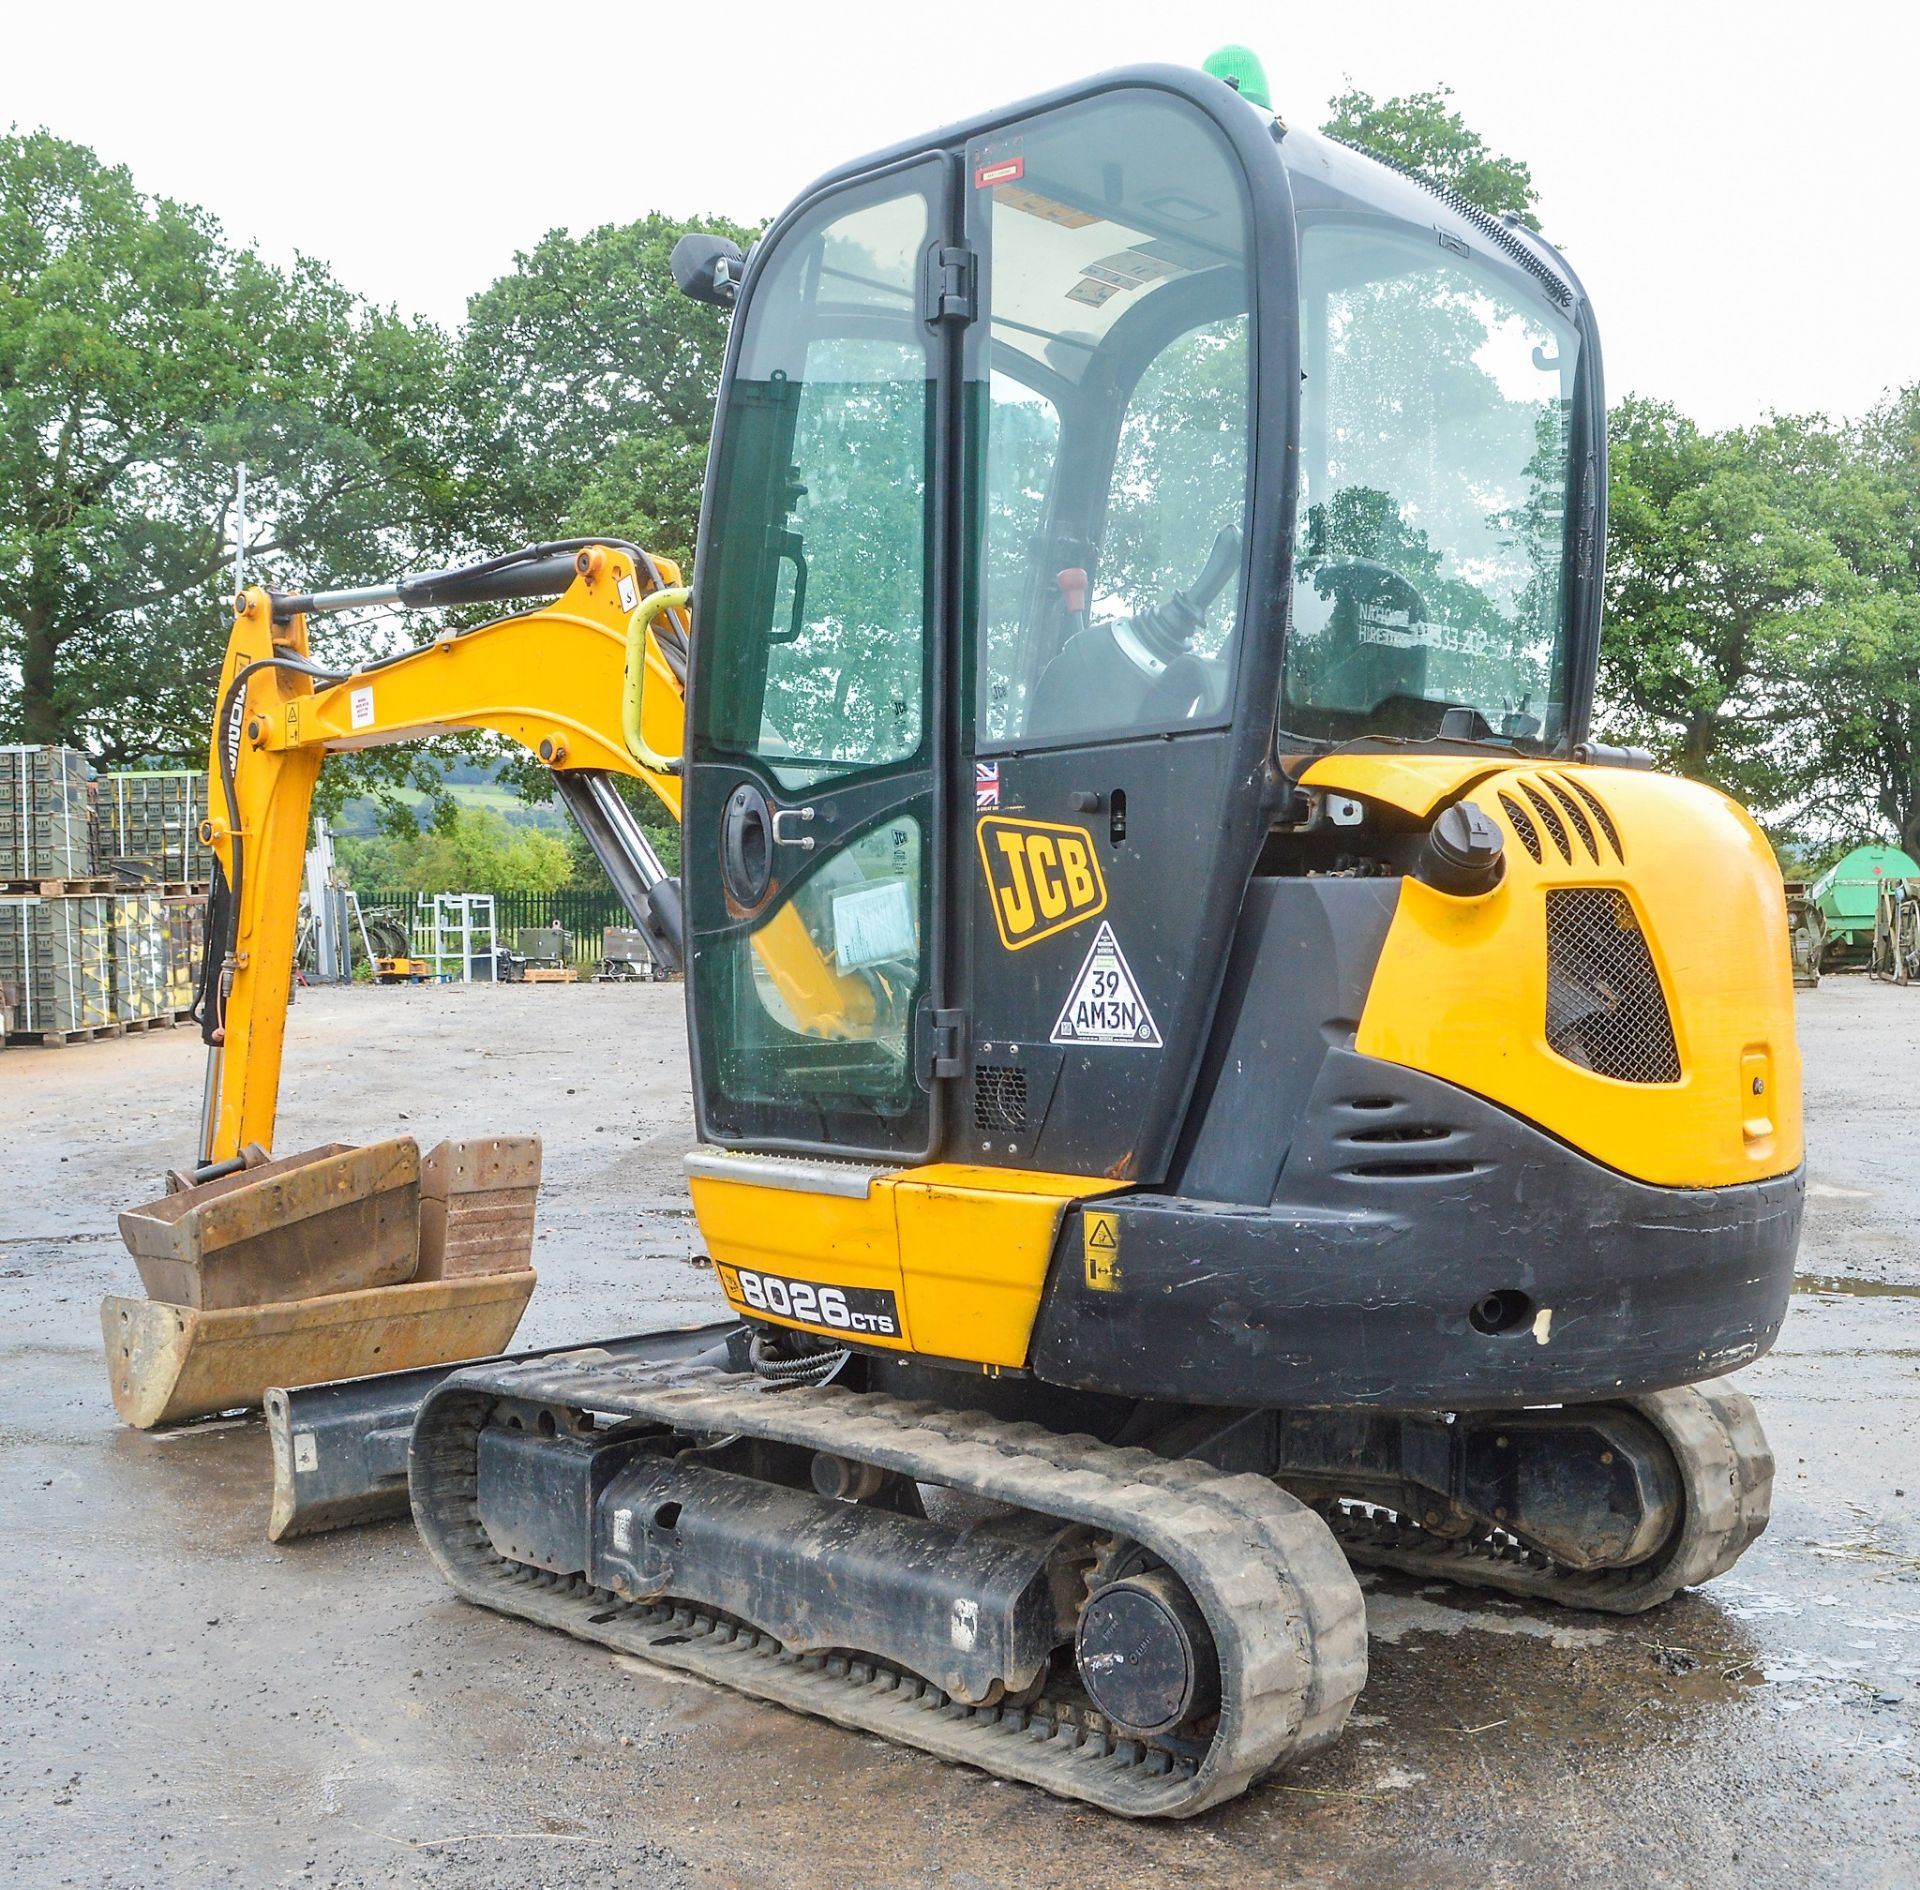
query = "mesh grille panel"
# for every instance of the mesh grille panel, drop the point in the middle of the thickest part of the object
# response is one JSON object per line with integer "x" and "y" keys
{"x": 1523, "y": 826}
{"x": 1605, "y": 1008}
{"x": 999, "y": 1097}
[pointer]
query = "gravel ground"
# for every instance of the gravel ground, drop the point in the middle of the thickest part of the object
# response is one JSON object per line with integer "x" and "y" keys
{"x": 181, "y": 1703}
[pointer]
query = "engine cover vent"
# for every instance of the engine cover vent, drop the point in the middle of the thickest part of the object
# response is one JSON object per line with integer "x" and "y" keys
{"x": 1606, "y": 1010}
{"x": 1562, "y": 815}
{"x": 999, "y": 1097}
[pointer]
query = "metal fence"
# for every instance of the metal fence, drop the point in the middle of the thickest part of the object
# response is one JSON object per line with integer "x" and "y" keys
{"x": 581, "y": 911}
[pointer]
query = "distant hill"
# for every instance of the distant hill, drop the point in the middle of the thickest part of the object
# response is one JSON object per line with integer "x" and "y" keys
{"x": 472, "y": 784}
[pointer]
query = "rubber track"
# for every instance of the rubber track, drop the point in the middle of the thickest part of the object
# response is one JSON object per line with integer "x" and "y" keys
{"x": 1285, "y": 1611}
{"x": 1726, "y": 1474}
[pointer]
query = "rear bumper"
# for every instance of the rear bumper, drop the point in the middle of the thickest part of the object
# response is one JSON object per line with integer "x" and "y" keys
{"x": 1373, "y": 1276}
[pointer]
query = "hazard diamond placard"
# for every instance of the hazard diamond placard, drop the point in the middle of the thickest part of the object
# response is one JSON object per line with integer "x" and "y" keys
{"x": 1106, "y": 1004}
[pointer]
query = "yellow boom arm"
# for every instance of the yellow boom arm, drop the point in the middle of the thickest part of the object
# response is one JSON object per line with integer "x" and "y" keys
{"x": 553, "y": 679}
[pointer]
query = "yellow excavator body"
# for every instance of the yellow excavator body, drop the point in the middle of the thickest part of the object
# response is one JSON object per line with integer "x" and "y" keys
{"x": 1196, "y": 1051}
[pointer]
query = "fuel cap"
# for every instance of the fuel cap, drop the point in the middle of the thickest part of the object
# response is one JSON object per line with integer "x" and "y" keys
{"x": 1464, "y": 855}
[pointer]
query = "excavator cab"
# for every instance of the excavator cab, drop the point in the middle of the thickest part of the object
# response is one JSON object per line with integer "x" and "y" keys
{"x": 1076, "y": 478}
{"x": 1147, "y": 618}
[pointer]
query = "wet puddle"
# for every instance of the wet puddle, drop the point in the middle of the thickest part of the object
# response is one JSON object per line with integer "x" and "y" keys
{"x": 1856, "y": 1289}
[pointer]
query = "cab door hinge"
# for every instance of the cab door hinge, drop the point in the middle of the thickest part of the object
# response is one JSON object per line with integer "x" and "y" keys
{"x": 943, "y": 1045}
{"x": 951, "y": 286}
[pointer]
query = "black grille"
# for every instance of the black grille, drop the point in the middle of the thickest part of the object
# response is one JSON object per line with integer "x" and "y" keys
{"x": 999, "y": 1097}
{"x": 1524, "y": 827}
{"x": 1575, "y": 815}
{"x": 1605, "y": 1008}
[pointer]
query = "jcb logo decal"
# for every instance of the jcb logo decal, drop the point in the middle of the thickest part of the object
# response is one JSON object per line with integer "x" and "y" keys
{"x": 1042, "y": 878}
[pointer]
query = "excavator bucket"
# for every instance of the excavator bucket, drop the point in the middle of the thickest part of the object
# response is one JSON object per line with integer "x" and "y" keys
{"x": 314, "y": 1268}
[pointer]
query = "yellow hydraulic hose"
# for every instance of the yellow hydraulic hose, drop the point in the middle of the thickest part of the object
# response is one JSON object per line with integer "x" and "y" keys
{"x": 633, "y": 691}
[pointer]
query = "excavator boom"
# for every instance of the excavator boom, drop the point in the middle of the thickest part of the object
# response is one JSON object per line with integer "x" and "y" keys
{"x": 337, "y": 1262}
{"x": 553, "y": 679}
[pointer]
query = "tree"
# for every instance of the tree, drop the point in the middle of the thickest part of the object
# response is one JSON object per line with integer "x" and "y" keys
{"x": 464, "y": 849}
{"x": 142, "y": 360}
{"x": 586, "y": 384}
{"x": 1725, "y": 591}
{"x": 1862, "y": 732}
{"x": 1423, "y": 132}
{"x": 585, "y": 390}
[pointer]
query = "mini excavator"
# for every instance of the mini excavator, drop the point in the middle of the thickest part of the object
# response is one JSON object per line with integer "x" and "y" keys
{"x": 1206, "y": 1075}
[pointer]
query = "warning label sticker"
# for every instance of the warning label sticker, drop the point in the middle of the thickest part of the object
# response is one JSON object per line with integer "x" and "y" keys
{"x": 1105, "y": 1004}
{"x": 1100, "y": 1249}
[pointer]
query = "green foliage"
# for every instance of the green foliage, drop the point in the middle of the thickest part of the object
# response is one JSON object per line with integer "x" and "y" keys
{"x": 1423, "y": 132}
{"x": 1764, "y": 613}
{"x": 584, "y": 391}
{"x": 142, "y": 359}
{"x": 463, "y": 849}
{"x": 1864, "y": 675}
{"x": 1722, "y": 583}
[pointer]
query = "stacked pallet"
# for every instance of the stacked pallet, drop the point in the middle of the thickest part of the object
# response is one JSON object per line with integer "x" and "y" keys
{"x": 150, "y": 826}
{"x": 47, "y": 823}
{"x": 185, "y": 916}
{"x": 56, "y": 952}
{"x": 92, "y": 945}
{"x": 139, "y": 958}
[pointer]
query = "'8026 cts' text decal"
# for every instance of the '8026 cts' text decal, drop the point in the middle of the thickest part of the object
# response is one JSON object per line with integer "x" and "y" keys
{"x": 849, "y": 1309}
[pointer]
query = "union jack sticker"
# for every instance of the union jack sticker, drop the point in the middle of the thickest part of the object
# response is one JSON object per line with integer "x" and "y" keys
{"x": 986, "y": 786}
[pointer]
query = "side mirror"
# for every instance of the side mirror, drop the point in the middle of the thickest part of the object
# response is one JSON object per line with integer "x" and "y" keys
{"x": 707, "y": 268}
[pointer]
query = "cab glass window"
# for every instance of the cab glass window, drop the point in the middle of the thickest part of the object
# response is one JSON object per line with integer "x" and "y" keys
{"x": 825, "y": 471}
{"x": 1116, "y": 410}
{"x": 1431, "y": 548}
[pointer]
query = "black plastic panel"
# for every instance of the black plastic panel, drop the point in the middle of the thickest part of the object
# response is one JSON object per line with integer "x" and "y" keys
{"x": 1303, "y": 958}
{"x": 1424, "y": 1249}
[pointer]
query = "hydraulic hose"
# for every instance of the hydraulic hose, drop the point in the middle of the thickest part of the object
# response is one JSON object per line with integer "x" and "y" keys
{"x": 210, "y": 1004}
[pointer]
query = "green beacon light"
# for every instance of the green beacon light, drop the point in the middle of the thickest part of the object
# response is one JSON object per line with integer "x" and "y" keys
{"x": 1240, "y": 67}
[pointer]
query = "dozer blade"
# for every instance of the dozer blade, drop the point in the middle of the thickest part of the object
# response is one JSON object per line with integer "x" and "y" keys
{"x": 169, "y": 1362}
{"x": 340, "y": 1448}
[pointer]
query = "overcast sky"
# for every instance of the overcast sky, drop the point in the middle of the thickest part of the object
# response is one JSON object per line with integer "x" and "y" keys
{"x": 1735, "y": 183}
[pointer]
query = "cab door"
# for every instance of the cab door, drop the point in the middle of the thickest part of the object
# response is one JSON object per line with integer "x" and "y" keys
{"x": 1121, "y": 665}
{"x": 816, "y": 795}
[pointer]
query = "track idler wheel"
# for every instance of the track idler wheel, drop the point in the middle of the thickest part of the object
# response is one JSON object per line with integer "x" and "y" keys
{"x": 1145, "y": 1655}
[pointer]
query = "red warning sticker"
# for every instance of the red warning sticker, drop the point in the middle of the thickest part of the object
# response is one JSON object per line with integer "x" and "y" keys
{"x": 1000, "y": 171}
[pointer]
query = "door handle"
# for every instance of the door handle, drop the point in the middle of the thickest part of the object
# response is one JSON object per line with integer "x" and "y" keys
{"x": 803, "y": 815}
{"x": 792, "y": 550}
{"x": 746, "y": 860}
